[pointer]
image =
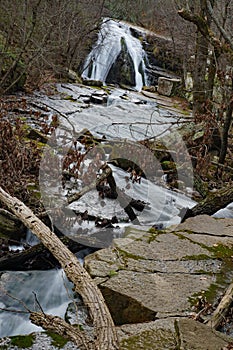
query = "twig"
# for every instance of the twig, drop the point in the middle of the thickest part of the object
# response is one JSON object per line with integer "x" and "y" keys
{"x": 222, "y": 309}
{"x": 38, "y": 303}
{"x": 17, "y": 299}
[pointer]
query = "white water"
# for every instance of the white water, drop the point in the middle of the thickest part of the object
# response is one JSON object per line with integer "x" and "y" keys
{"x": 51, "y": 291}
{"x": 107, "y": 49}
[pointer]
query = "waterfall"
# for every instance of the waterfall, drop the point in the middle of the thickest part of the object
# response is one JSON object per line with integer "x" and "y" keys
{"x": 115, "y": 42}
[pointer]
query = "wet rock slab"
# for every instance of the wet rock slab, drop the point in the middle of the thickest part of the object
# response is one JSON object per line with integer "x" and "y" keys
{"x": 179, "y": 333}
{"x": 158, "y": 275}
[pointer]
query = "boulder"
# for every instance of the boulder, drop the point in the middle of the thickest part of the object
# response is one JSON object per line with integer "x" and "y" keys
{"x": 92, "y": 82}
{"x": 167, "y": 86}
{"x": 161, "y": 275}
{"x": 171, "y": 333}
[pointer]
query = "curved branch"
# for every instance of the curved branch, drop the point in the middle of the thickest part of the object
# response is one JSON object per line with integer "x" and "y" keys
{"x": 218, "y": 25}
{"x": 203, "y": 28}
{"x": 58, "y": 325}
{"x": 105, "y": 337}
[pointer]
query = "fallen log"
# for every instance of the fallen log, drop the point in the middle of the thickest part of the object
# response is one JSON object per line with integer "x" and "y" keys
{"x": 212, "y": 203}
{"x": 37, "y": 257}
{"x": 105, "y": 336}
{"x": 55, "y": 323}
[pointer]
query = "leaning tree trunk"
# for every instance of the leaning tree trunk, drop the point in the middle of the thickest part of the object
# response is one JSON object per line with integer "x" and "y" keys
{"x": 212, "y": 203}
{"x": 105, "y": 337}
{"x": 226, "y": 128}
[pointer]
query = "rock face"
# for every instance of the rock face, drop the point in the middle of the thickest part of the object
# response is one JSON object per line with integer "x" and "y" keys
{"x": 158, "y": 276}
{"x": 168, "y": 87}
{"x": 179, "y": 333}
{"x": 122, "y": 70}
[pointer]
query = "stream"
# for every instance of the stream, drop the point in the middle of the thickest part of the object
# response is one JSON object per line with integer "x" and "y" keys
{"x": 117, "y": 115}
{"x": 50, "y": 287}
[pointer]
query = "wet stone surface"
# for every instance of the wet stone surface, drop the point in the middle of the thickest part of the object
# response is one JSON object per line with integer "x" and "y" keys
{"x": 162, "y": 274}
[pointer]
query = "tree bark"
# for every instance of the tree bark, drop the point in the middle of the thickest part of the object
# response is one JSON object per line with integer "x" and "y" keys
{"x": 226, "y": 128}
{"x": 58, "y": 325}
{"x": 105, "y": 337}
{"x": 222, "y": 309}
{"x": 212, "y": 203}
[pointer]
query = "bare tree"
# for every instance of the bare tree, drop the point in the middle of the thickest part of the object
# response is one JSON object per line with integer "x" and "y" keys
{"x": 213, "y": 35}
{"x": 42, "y": 35}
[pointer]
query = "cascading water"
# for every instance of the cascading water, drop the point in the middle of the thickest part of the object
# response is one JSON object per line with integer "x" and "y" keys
{"x": 51, "y": 289}
{"x": 115, "y": 37}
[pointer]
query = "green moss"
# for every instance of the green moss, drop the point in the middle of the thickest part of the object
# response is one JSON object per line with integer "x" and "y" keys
{"x": 124, "y": 254}
{"x": 223, "y": 278}
{"x": 57, "y": 340}
{"x": 221, "y": 251}
{"x": 153, "y": 235}
{"x": 168, "y": 165}
{"x": 112, "y": 273}
{"x": 23, "y": 341}
{"x": 158, "y": 339}
{"x": 197, "y": 257}
{"x": 70, "y": 98}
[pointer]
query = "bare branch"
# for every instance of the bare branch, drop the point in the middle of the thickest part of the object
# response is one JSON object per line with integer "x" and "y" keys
{"x": 58, "y": 325}
{"x": 226, "y": 37}
{"x": 105, "y": 336}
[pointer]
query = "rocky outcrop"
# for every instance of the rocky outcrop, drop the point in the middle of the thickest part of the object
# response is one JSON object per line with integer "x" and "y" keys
{"x": 168, "y": 87}
{"x": 162, "y": 59}
{"x": 179, "y": 333}
{"x": 159, "y": 276}
{"x": 122, "y": 70}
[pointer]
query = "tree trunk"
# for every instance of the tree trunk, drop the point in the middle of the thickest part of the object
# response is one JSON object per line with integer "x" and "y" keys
{"x": 212, "y": 203}
{"x": 199, "y": 74}
{"x": 105, "y": 337}
{"x": 226, "y": 128}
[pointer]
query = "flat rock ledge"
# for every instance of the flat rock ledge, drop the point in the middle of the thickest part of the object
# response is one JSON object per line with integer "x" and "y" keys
{"x": 151, "y": 282}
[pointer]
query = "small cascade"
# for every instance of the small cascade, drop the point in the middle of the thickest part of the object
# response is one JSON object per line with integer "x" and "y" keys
{"x": 52, "y": 290}
{"x": 117, "y": 57}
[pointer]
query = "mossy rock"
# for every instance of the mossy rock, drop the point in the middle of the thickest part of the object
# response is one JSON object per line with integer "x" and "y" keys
{"x": 10, "y": 226}
{"x": 167, "y": 165}
{"x": 57, "y": 340}
{"x": 23, "y": 341}
{"x": 158, "y": 339}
